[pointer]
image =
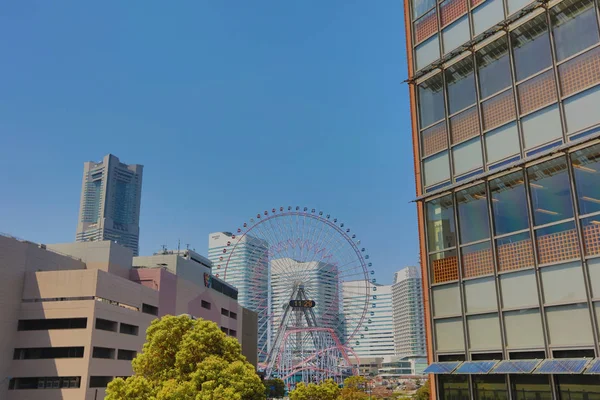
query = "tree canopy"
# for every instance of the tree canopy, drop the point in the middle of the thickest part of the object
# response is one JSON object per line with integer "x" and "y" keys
{"x": 275, "y": 388}
{"x": 423, "y": 392}
{"x": 326, "y": 390}
{"x": 354, "y": 388}
{"x": 185, "y": 359}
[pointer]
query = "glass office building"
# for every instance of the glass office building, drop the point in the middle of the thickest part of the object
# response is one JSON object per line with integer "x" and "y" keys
{"x": 505, "y": 108}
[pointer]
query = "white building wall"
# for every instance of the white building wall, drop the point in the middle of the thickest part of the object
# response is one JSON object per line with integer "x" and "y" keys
{"x": 408, "y": 316}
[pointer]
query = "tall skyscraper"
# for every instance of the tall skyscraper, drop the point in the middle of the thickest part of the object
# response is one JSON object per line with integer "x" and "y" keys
{"x": 248, "y": 271}
{"x": 110, "y": 203}
{"x": 409, "y": 323}
{"x": 375, "y": 337}
{"x": 505, "y": 102}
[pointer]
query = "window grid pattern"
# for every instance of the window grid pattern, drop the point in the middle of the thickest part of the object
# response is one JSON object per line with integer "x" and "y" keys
{"x": 426, "y": 26}
{"x": 445, "y": 269}
{"x": 476, "y": 2}
{"x": 451, "y": 10}
{"x": 555, "y": 247}
{"x": 580, "y": 72}
{"x": 464, "y": 125}
{"x": 434, "y": 139}
{"x": 498, "y": 110}
{"x": 537, "y": 92}
{"x": 591, "y": 236}
{"x": 515, "y": 255}
{"x": 478, "y": 263}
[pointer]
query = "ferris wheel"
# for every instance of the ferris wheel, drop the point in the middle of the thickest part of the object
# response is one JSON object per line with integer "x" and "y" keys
{"x": 309, "y": 279}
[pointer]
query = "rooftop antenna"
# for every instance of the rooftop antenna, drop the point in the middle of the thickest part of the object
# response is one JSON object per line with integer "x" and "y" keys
{"x": 187, "y": 246}
{"x": 164, "y": 248}
{"x": 178, "y": 245}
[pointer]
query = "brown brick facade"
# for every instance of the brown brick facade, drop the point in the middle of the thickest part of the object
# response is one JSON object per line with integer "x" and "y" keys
{"x": 515, "y": 255}
{"x": 498, "y": 110}
{"x": 464, "y": 125}
{"x": 537, "y": 92}
{"x": 445, "y": 269}
{"x": 581, "y": 72}
{"x": 451, "y": 10}
{"x": 478, "y": 263}
{"x": 558, "y": 246}
{"x": 426, "y": 26}
{"x": 434, "y": 139}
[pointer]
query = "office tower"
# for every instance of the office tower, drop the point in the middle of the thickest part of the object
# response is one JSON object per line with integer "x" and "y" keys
{"x": 110, "y": 203}
{"x": 409, "y": 324}
{"x": 375, "y": 337}
{"x": 505, "y": 102}
{"x": 248, "y": 271}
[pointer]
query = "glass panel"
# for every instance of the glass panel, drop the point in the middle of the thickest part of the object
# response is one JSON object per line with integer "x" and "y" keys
{"x": 421, "y": 6}
{"x": 519, "y": 289}
{"x": 498, "y": 110}
{"x": 473, "y": 214}
{"x": 453, "y": 387}
{"x": 461, "y": 85}
{"x": 524, "y": 328}
{"x": 537, "y": 92}
{"x": 428, "y": 52}
{"x": 509, "y": 203}
{"x": 480, "y": 295}
{"x": 542, "y": 127}
{"x": 464, "y": 125}
{"x": 444, "y": 266}
{"x": 550, "y": 191}
{"x": 531, "y": 387}
{"x": 577, "y": 110}
{"x": 586, "y": 168}
{"x": 456, "y": 35}
{"x": 484, "y": 332}
{"x": 437, "y": 169}
{"x": 570, "y": 325}
{"x": 440, "y": 224}
{"x": 574, "y": 26}
{"x": 514, "y": 252}
{"x": 477, "y": 260}
{"x": 446, "y": 300}
{"x": 563, "y": 283}
{"x": 431, "y": 101}
{"x": 578, "y": 387}
{"x": 434, "y": 139}
{"x": 493, "y": 67}
{"x": 591, "y": 235}
{"x": 426, "y": 26}
{"x": 557, "y": 243}
{"x": 467, "y": 156}
{"x": 449, "y": 334}
{"x": 490, "y": 387}
{"x": 531, "y": 46}
{"x": 451, "y": 10}
{"x": 487, "y": 15}
{"x": 580, "y": 72}
{"x": 516, "y": 5}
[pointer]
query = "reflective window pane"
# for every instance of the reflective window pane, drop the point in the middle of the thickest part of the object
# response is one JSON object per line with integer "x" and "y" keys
{"x": 477, "y": 260}
{"x": 493, "y": 67}
{"x": 502, "y": 143}
{"x": 578, "y": 387}
{"x": 421, "y": 6}
{"x": 456, "y": 34}
{"x": 574, "y": 26}
{"x": 453, "y": 387}
{"x": 586, "y": 168}
{"x": 557, "y": 243}
{"x": 530, "y": 387}
{"x": 509, "y": 203}
{"x": 550, "y": 191}
{"x": 431, "y": 101}
{"x": 440, "y": 224}
{"x": 467, "y": 156}
{"x": 436, "y": 169}
{"x": 473, "y": 214}
{"x": 531, "y": 46}
{"x": 461, "y": 85}
{"x": 427, "y": 52}
{"x": 514, "y": 252}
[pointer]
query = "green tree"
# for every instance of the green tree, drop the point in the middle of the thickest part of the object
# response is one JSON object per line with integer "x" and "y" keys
{"x": 423, "y": 393}
{"x": 275, "y": 388}
{"x": 185, "y": 359}
{"x": 354, "y": 388}
{"x": 326, "y": 390}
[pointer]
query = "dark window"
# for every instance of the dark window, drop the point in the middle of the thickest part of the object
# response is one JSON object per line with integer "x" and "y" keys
{"x": 55, "y": 382}
{"x": 574, "y": 26}
{"x": 486, "y": 356}
{"x": 461, "y": 85}
{"x": 573, "y": 353}
{"x": 586, "y": 167}
{"x": 148, "y": 309}
{"x": 440, "y": 224}
{"x": 103, "y": 352}
{"x": 431, "y": 101}
{"x": 52, "y": 323}
{"x": 126, "y": 354}
{"x": 224, "y": 312}
{"x": 527, "y": 387}
{"x": 531, "y": 46}
{"x": 453, "y": 387}
{"x": 451, "y": 357}
{"x": 100, "y": 381}
{"x": 550, "y": 191}
{"x": 490, "y": 387}
{"x": 224, "y": 330}
{"x": 129, "y": 329}
{"x": 473, "y": 214}
{"x": 578, "y": 387}
{"x": 494, "y": 67}
{"x": 36, "y": 353}
{"x": 106, "y": 325}
{"x": 232, "y": 315}
{"x": 232, "y": 333}
{"x": 205, "y": 304}
{"x": 509, "y": 203}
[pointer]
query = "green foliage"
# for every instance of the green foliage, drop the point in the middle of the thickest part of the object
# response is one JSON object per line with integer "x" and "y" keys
{"x": 275, "y": 388}
{"x": 185, "y": 359}
{"x": 326, "y": 390}
{"x": 354, "y": 388}
{"x": 423, "y": 393}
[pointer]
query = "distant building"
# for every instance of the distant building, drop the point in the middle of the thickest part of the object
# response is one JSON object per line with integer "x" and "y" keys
{"x": 110, "y": 203}
{"x": 376, "y": 335}
{"x": 248, "y": 271}
{"x": 409, "y": 323}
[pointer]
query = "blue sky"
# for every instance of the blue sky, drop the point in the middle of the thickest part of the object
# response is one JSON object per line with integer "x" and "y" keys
{"x": 233, "y": 107}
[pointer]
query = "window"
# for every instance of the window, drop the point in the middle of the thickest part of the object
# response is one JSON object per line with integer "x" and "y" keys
{"x": 444, "y": 266}
{"x": 591, "y": 233}
{"x": 431, "y": 101}
{"x": 420, "y": 7}
{"x": 103, "y": 352}
{"x": 493, "y": 67}
{"x": 205, "y": 304}
{"x": 456, "y": 34}
{"x": 487, "y": 15}
{"x": 490, "y": 387}
{"x": 550, "y": 191}
{"x": 473, "y": 214}
{"x": 461, "y": 85}
{"x": 232, "y": 315}
{"x": 524, "y": 329}
{"x": 542, "y": 127}
{"x": 467, "y": 156}
{"x": 129, "y": 329}
{"x": 449, "y": 335}
{"x": 64, "y": 382}
{"x": 224, "y": 330}
{"x": 586, "y": 167}
{"x": 574, "y": 27}
{"x": 531, "y": 46}
{"x": 37, "y": 353}
{"x": 453, "y": 387}
{"x": 570, "y": 325}
{"x": 148, "y": 309}
{"x": 126, "y": 354}
{"x": 224, "y": 312}
{"x": 232, "y": 333}
{"x": 514, "y": 252}
{"x": 477, "y": 260}
{"x": 427, "y": 52}
{"x": 502, "y": 143}
{"x": 100, "y": 381}
{"x": 527, "y": 387}
{"x": 52, "y": 323}
{"x": 557, "y": 243}
{"x": 437, "y": 168}
{"x": 563, "y": 283}
{"x": 509, "y": 203}
{"x": 578, "y": 386}
{"x": 440, "y": 224}
{"x": 106, "y": 325}
{"x": 577, "y": 107}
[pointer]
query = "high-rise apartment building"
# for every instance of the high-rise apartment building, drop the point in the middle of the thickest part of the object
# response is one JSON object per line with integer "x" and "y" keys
{"x": 376, "y": 335}
{"x": 110, "y": 203}
{"x": 244, "y": 263}
{"x": 408, "y": 318}
{"x": 505, "y": 108}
